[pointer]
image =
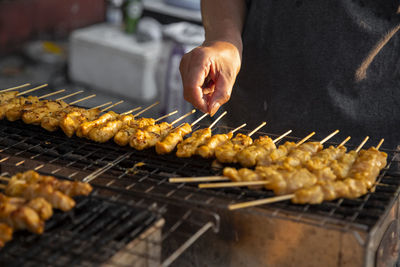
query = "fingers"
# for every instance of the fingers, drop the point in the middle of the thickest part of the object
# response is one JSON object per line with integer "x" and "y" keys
{"x": 221, "y": 95}
{"x": 194, "y": 70}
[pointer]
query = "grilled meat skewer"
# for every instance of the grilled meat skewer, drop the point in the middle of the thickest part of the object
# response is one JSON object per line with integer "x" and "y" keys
{"x": 6, "y": 233}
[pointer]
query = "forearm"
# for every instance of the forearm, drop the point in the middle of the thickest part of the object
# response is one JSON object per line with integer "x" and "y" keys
{"x": 223, "y": 21}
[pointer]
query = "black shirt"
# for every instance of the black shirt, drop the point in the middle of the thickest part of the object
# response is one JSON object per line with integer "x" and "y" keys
{"x": 319, "y": 66}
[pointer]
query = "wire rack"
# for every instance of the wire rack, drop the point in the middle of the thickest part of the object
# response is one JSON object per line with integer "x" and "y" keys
{"x": 142, "y": 177}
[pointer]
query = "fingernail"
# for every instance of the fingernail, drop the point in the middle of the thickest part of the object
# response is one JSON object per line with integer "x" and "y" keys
{"x": 214, "y": 108}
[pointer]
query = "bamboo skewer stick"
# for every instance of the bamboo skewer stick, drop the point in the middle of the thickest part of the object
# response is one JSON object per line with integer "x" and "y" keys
{"x": 257, "y": 128}
{"x": 15, "y": 88}
{"x": 238, "y": 128}
{"x": 305, "y": 139}
{"x": 260, "y": 202}
{"x": 146, "y": 109}
{"x": 362, "y": 144}
{"x": 380, "y": 144}
{"x": 344, "y": 141}
{"x": 234, "y": 184}
{"x": 33, "y": 89}
{"x": 132, "y": 110}
{"x": 328, "y": 137}
{"x": 199, "y": 119}
{"x": 166, "y": 116}
{"x": 102, "y": 105}
{"x": 82, "y": 99}
{"x": 217, "y": 119}
{"x": 51, "y": 94}
{"x": 3, "y": 178}
{"x": 198, "y": 179}
{"x": 66, "y": 96}
{"x": 183, "y": 116}
{"x": 113, "y": 105}
{"x": 282, "y": 136}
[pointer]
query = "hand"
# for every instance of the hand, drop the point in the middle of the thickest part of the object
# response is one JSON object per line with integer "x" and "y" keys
{"x": 208, "y": 74}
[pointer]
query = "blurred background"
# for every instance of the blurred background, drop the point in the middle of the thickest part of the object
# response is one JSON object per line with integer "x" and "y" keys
{"x": 117, "y": 49}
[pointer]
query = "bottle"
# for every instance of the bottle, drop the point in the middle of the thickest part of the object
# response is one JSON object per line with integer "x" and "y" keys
{"x": 114, "y": 12}
{"x": 133, "y": 10}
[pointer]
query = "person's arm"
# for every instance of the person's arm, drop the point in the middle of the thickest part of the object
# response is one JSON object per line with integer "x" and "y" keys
{"x": 218, "y": 59}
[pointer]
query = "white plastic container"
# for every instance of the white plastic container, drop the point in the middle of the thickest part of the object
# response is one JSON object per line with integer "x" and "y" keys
{"x": 107, "y": 59}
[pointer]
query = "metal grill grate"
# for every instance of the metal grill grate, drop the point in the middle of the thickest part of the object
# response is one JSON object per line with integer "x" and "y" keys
{"x": 115, "y": 168}
{"x": 89, "y": 235}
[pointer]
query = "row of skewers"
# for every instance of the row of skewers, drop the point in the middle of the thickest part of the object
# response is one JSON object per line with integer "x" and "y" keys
{"x": 28, "y": 200}
{"x": 286, "y": 169}
{"x": 124, "y": 129}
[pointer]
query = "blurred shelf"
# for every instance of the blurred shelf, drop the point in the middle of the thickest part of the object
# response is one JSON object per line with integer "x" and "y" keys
{"x": 158, "y": 6}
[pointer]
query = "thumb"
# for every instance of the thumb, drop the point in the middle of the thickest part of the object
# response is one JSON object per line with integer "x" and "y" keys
{"x": 220, "y": 96}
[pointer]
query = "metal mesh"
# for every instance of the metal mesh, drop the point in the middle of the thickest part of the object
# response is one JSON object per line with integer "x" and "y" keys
{"x": 89, "y": 235}
{"x": 144, "y": 175}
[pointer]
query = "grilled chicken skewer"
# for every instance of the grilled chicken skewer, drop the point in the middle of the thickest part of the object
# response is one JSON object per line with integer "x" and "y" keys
{"x": 123, "y": 136}
{"x": 148, "y": 136}
{"x": 279, "y": 177}
{"x": 42, "y": 207}
{"x": 207, "y": 150}
{"x": 70, "y": 121}
{"x": 175, "y": 136}
{"x": 361, "y": 177}
{"x": 21, "y": 188}
{"x": 7, "y": 96}
{"x": 126, "y": 133}
{"x": 20, "y": 217}
{"x": 34, "y": 115}
{"x": 74, "y": 188}
{"x": 5, "y": 234}
{"x": 34, "y": 110}
{"x": 188, "y": 147}
{"x": 17, "y": 101}
{"x": 332, "y": 188}
{"x": 107, "y": 131}
{"x": 226, "y": 153}
{"x": 85, "y": 127}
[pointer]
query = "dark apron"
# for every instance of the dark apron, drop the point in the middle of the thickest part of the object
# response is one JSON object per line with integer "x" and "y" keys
{"x": 319, "y": 66}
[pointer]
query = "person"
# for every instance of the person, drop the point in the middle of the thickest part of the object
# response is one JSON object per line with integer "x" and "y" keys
{"x": 300, "y": 64}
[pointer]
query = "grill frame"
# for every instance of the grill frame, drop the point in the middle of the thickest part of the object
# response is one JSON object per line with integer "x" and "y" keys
{"x": 109, "y": 171}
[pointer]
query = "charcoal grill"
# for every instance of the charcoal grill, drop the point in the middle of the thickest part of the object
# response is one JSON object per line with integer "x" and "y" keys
{"x": 359, "y": 232}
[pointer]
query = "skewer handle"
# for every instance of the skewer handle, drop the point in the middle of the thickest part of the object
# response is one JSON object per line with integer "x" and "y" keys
{"x": 260, "y": 202}
{"x": 217, "y": 119}
{"x": 344, "y": 141}
{"x": 113, "y": 105}
{"x": 66, "y": 96}
{"x": 102, "y": 105}
{"x": 238, "y": 128}
{"x": 3, "y": 178}
{"x": 380, "y": 144}
{"x": 50, "y": 94}
{"x": 15, "y": 88}
{"x": 282, "y": 136}
{"x": 199, "y": 119}
{"x": 233, "y": 184}
{"x": 82, "y": 99}
{"x": 328, "y": 137}
{"x": 166, "y": 116}
{"x": 258, "y": 128}
{"x": 362, "y": 144}
{"x": 146, "y": 109}
{"x": 198, "y": 179}
{"x": 305, "y": 139}
{"x": 33, "y": 89}
{"x": 183, "y": 116}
